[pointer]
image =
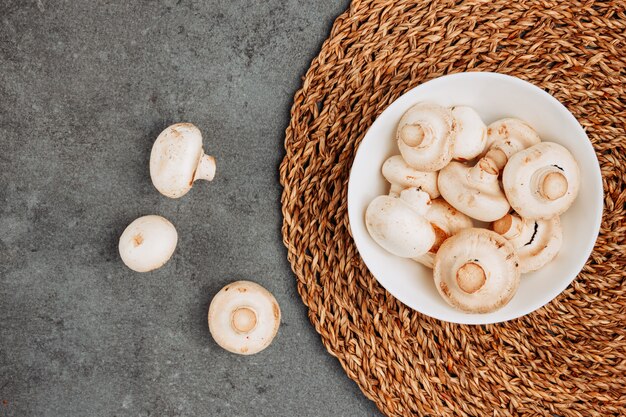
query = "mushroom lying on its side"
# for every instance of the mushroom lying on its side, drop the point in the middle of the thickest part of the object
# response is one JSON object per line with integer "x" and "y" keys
{"x": 426, "y": 136}
{"x": 446, "y": 221}
{"x": 244, "y": 318}
{"x": 474, "y": 191}
{"x": 542, "y": 181}
{"x": 148, "y": 243}
{"x": 471, "y": 134}
{"x": 177, "y": 160}
{"x": 401, "y": 176}
{"x": 506, "y": 137}
{"x": 537, "y": 242}
{"x": 477, "y": 271}
{"x": 398, "y": 224}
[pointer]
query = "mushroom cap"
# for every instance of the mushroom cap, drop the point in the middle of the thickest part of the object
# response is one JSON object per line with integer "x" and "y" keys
{"x": 177, "y": 160}
{"x": 471, "y": 133}
{"x": 398, "y": 224}
{"x": 537, "y": 242}
{"x": 446, "y": 221}
{"x": 542, "y": 181}
{"x": 474, "y": 191}
{"x": 510, "y": 135}
{"x": 425, "y": 136}
{"x": 477, "y": 271}
{"x": 244, "y": 317}
{"x": 402, "y": 176}
{"x": 147, "y": 243}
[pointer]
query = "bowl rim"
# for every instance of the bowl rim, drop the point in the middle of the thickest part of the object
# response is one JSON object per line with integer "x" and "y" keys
{"x": 537, "y": 303}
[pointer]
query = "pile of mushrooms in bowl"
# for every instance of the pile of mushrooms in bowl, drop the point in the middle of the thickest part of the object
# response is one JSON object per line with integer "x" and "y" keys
{"x": 472, "y": 198}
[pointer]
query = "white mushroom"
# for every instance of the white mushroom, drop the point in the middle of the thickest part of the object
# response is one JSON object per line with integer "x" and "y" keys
{"x": 426, "y": 136}
{"x": 542, "y": 181}
{"x": 401, "y": 176}
{"x": 537, "y": 242}
{"x": 474, "y": 191}
{"x": 506, "y": 137}
{"x": 477, "y": 271}
{"x": 471, "y": 134}
{"x": 446, "y": 221}
{"x": 177, "y": 160}
{"x": 244, "y": 317}
{"x": 398, "y": 224}
{"x": 148, "y": 243}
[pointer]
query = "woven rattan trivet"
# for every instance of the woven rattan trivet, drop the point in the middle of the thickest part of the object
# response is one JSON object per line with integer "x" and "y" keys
{"x": 568, "y": 358}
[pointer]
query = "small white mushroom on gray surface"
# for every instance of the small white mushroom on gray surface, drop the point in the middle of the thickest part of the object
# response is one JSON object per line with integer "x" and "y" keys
{"x": 244, "y": 318}
{"x": 542, "y": 181}
{"x": 471, "y": 134}
{"x": 505, "y": 137}
{"x": 477, "y": 271}
{"x": 425, "y": 136}
{"x": 399, "y": 225}
{"x": 177, "y": 160}
{"x": 148, "y": 243}
{"x": 474, "y": 191}
{"x": 537, "y": 242}
{"x": 402, "y": 176}
{"x": 446, "y": 221}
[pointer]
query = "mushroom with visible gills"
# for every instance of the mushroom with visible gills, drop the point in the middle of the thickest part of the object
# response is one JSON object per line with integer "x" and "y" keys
{"x": 402, "y": 176}
{"x": 537, "y": 242}
{"x": 477, "y": 271}
{"x": 446, "y": 221}
{"x": 148, "y": 243}
{"x": 471, "y": 134}
{"x": 542, "y": 181}
{"x": 244, "y": 318}
{"x": 425, "y": 136}
{"x": 177, "y": 160}
{"x": 474, "y": 191}
{"x": 398, "y": 224}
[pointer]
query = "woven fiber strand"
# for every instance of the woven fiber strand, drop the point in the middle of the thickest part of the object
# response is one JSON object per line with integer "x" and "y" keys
{"x": 568, "y": 358}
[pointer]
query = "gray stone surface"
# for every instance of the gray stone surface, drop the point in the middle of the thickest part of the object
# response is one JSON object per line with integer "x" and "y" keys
{"x": 85, "y": 87}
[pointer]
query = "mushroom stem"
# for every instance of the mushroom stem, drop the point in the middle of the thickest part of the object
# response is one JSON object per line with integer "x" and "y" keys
{"x": 553, "y": 185}
{"x": 509, "y": 226}
{"x": 417, "y": 199}
{"x": 498, "y": 157}
{"x": 205, "y": 169}
{"x": 484, "y": 170}
{"x": 395, "y": 190}
{"x": 412, "y": 135}
{"x": 470, "y": 277}
{"x": 243, "y": 320}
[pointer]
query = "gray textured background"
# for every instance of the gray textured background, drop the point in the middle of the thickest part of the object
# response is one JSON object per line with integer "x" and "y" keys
{"x": 85, "y": 87}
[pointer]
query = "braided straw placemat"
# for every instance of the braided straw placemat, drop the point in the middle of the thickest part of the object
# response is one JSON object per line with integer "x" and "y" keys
{"x": 566, "y": 359}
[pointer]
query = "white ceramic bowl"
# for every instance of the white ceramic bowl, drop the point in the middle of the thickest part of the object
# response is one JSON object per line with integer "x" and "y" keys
{"x": 494, "y": 96}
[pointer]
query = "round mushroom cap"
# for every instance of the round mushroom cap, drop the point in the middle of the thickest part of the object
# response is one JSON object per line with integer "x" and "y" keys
{"x": 471, "y": 134}
{"x": 537, "y": 242}
{"x": 542, "y": 181}
{"x": 402, "y": 176}
{"x": 147, "y": 243}
{"x": 477, "y": 271}
{"x": 177, "y": 160}
{"x": 446, "y": 221}
{"x": 398, "y": 224}
{"x": 426, "y": 136}
{"x": 474, "y": 191}
{"x": 511, "y": 135}
{"x": 244, "y": 317}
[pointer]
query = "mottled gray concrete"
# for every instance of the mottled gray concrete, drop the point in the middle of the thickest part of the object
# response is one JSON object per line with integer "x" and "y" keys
{"x": 85, "y": 87}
